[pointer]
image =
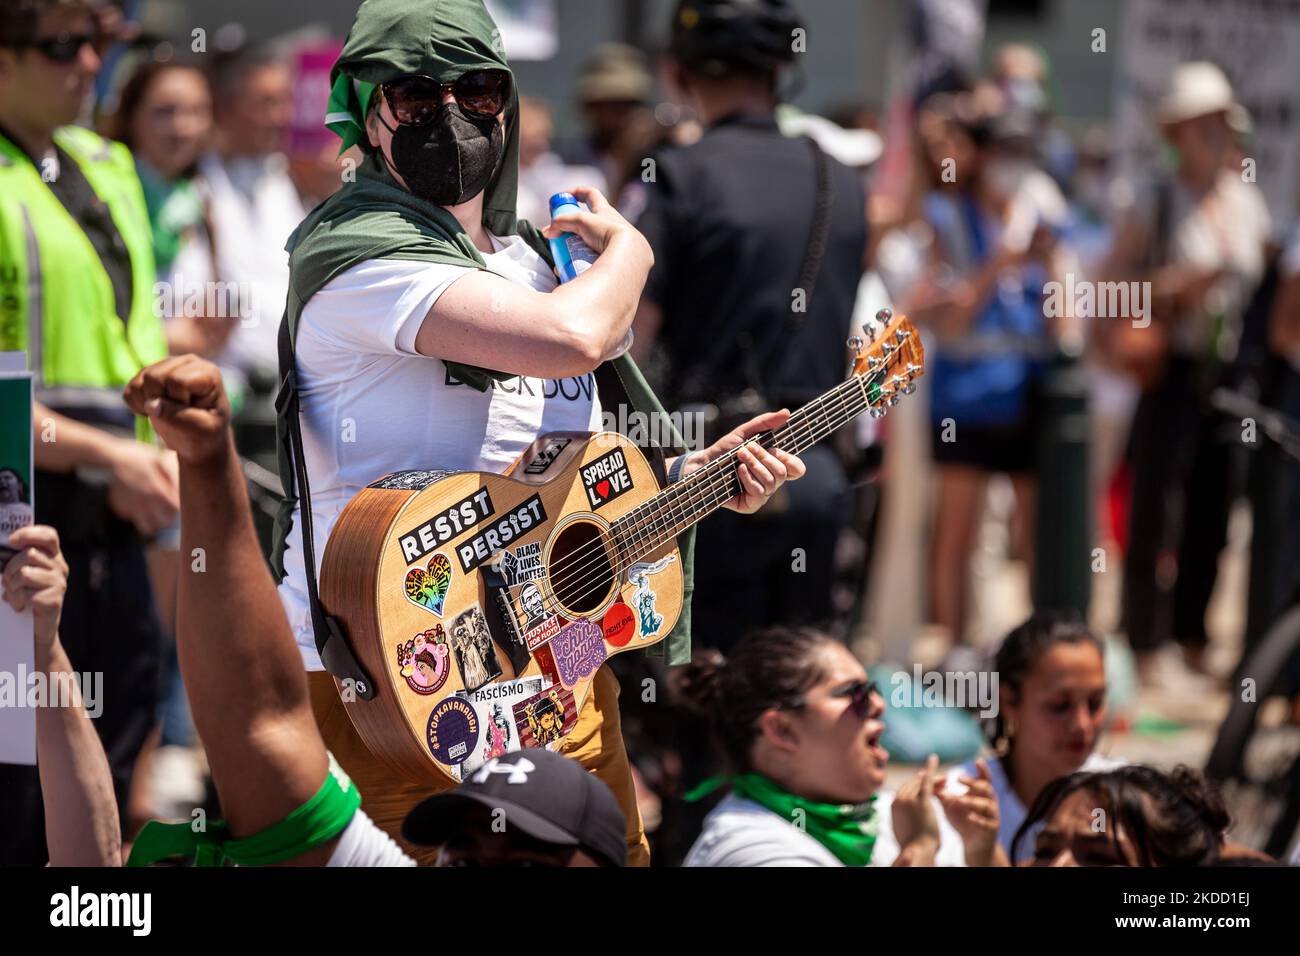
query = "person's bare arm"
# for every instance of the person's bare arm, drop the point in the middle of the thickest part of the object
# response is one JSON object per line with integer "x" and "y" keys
{"x": 242, "y": 669}
{"x": 484, "y": 319}
{"x": 647, "y": 322}
{"x": 81, "y": 820}
{"x": 143, "y": 480}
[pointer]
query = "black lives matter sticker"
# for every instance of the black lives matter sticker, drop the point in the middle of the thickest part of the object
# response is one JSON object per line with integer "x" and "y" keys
{"x": 606, "y": 478}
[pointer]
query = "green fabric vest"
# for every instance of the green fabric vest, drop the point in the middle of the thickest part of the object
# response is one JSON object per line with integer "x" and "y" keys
{"x": 56, "y": 298}
{"x": 373, "y": 218}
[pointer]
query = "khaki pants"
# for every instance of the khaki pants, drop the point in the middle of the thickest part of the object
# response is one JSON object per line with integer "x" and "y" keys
{"x": 596, "y": 742}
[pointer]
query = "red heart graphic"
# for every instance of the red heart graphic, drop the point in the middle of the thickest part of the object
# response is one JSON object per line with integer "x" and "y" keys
{"x": 602, "y": 488}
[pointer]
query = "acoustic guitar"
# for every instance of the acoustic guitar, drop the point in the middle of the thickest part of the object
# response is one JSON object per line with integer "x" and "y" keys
{"x": 482, "y": 604}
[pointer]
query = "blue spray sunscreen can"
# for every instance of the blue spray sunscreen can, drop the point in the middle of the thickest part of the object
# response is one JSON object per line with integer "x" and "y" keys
{"x": 572, "y": 256}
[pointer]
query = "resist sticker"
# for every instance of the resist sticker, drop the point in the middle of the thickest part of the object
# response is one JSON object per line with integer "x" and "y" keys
{"x": 446, "y": 525}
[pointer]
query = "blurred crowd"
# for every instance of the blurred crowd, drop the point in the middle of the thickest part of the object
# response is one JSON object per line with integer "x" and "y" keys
{"x": 981, "y": 214}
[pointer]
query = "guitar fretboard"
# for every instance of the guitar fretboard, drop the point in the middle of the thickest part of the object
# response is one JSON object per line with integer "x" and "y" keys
{"x": 650, "y": 525}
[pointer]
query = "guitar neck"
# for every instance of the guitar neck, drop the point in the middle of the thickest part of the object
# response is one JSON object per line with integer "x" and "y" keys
{"x": 652, "y": 524}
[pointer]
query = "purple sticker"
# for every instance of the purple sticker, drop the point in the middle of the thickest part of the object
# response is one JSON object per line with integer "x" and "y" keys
{"x": 453, "y": 731}
{"x": 578, "y": 649}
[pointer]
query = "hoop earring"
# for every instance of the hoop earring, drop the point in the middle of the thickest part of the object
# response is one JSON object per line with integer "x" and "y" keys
{"x": 1003, "y": 745}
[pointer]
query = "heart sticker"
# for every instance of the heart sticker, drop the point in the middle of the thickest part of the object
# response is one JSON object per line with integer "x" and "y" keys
{"x": 602, "y": 488}
{"x": 428, "y": 587}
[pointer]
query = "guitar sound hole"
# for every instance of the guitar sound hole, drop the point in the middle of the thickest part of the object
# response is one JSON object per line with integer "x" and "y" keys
{"x": 579, "y": 571}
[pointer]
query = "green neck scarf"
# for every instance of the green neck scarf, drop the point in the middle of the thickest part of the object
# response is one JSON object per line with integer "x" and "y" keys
{"x": 847, "y": 830}
{"x": 317, "y": 821}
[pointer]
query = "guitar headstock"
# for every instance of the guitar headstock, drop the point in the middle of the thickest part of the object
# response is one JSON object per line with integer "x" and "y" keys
{"x": 890, "y": 356}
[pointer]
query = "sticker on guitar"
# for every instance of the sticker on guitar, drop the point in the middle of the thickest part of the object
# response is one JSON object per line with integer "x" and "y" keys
{"x": 425, "y": 661}
{"x": 546, "y": 718}
{"x": 606, "y": 478}
{"x": 644, "y": 599}
{"x": 471, "y": 640}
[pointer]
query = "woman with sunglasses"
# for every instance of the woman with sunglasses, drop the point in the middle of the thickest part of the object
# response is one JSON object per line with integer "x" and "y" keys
{"x": 799, "y": 724}
{"x": 427, "y": 329}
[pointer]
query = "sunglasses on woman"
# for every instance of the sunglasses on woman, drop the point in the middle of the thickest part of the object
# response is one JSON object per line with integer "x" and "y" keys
{"x": 415, "y": 100}
{"x": 62, "y": 48}
{"x": 859, "y": 695}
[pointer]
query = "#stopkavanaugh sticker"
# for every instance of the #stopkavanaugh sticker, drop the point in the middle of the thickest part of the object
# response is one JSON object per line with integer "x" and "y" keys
{"x": 428, "y": 586}
{"x": 606, "y": 478}
{"x": 579, "y": 650}
{"x": 453, "y": 731}
{"x": 546, "y": 718}
{"x": 425, "y": 661}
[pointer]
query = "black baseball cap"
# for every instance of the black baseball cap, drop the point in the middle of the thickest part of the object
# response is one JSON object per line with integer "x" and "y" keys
{"x": 549, "y": 797}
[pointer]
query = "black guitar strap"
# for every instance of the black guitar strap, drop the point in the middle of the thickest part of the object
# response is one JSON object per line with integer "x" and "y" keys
{"x": 609, "y": 386}
{"x": 331, "y": 642}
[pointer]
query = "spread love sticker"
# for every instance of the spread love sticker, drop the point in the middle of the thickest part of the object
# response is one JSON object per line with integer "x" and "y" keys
{"x": 606, "y": 478}
{"x": 428, "y": 586}
{"x": 577, "y": 650}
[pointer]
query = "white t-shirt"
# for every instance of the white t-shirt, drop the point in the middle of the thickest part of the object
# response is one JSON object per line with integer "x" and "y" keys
{"x": 740, "y": 832}
{"x": 1012, "y": 812}
{"x": 364, "y": 844}
{"x": 372, "y": 405}
{"x": 255, "y": 206}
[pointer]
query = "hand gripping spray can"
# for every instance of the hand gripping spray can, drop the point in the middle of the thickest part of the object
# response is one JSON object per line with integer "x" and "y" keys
{"x": 572, "y": 256}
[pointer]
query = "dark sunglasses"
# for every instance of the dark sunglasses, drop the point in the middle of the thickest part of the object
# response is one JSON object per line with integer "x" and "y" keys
{"x": 415, "y": 100}
{"x": 858, "y": 693}
{"x": 63, "y": 48}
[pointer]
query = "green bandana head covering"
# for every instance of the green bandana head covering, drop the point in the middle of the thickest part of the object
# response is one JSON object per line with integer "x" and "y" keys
{"x": 443, "y": 39}
{"x": 847, "y": 830}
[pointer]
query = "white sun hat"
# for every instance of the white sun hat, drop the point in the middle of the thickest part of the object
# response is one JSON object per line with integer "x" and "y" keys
{"x": 1197, "y": 89}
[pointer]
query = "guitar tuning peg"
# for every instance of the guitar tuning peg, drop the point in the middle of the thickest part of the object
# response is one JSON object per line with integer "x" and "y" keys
{"x": 855, "y": 343}
{"x": 869, "y": 330}
{"x": 901, "y": 334}
{"x": 874, "y": 363}
{"x": 909, "y": 388}
{"x": 879, "y": 411}
{"x": 894, "y": 399}
{"x": 883, "y": 316}
{"x": 888, "y": 349}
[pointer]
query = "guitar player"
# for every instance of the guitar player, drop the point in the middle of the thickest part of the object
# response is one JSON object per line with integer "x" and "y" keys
{"x": 425, "y": 330}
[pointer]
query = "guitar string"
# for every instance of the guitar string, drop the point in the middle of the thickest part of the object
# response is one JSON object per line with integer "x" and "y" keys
{"x": 706, "y": 490}
{"x": 700, "y": 489}
{"x": 687, "y": 504}
{"x": 642, "y": 537}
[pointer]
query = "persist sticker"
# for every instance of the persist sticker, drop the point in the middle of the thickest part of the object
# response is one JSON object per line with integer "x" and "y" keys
{"x": 606, "y": 478}
{"x": 515, "y": 523}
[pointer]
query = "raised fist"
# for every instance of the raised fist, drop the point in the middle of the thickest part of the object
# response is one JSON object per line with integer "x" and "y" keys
{"x": 186, "y": 402}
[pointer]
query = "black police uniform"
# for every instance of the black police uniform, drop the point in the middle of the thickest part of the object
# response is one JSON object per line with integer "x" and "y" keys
{"x": 730, "y": 219}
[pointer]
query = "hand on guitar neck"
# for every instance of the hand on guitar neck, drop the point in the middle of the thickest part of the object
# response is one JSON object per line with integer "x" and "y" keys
{"x": 761, "y": 471}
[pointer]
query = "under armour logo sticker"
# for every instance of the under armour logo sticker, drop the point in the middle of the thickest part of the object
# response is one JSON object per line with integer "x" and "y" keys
{"x": 518, "y": 771}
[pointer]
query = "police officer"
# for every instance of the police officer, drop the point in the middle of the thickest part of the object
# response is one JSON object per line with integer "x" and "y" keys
{"x": 76, "y": 294}
{"x": 759, "y": 243}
